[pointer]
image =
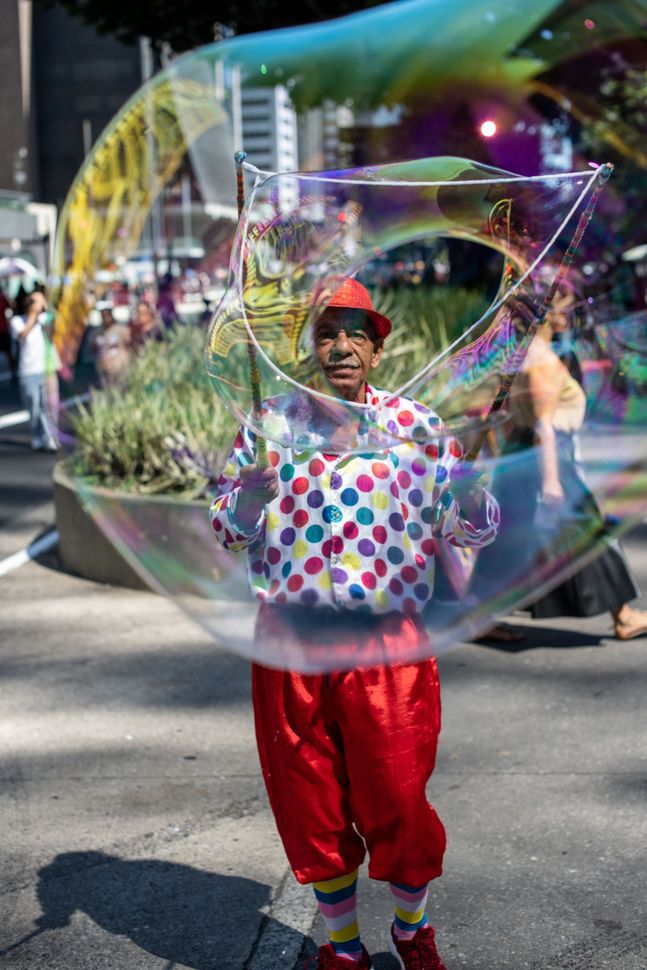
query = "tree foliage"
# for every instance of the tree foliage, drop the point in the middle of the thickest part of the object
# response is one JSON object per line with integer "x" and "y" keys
{"x": 185, "y": 26}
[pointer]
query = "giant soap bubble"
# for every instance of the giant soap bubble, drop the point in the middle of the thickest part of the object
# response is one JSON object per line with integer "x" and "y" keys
{"x": 365, "y": 556}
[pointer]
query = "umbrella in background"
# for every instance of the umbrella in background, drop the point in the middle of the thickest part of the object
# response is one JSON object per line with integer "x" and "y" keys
{"x": 19, "y": 272}
{"x": 15, "y": 266}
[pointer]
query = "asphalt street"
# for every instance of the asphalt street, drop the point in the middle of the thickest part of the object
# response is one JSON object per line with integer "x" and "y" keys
{"x": 135, "y": 828}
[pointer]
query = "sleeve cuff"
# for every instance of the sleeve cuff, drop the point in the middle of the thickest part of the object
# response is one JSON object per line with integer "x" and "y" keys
{"x": 245, "y": 533}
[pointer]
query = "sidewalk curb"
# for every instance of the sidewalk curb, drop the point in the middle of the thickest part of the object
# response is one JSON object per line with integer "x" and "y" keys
{"x": 294, "y": 909}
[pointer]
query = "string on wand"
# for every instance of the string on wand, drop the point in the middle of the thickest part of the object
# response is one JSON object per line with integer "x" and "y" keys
{"x": 519, "y": 356}
{"x": 254, "y": 374}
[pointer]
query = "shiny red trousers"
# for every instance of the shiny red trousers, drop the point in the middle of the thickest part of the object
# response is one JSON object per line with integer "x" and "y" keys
{"x": 346, "y": 758}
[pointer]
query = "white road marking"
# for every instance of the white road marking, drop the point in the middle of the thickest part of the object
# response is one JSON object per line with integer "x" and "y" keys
{"x": 35, "y": 549}
{"x": 21, "y": 417}
{"x": 16, "y": 417}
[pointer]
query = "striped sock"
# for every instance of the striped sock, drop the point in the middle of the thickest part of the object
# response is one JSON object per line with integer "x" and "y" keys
{"x": 410, "y": 903}
{"x": 337, "y": 900}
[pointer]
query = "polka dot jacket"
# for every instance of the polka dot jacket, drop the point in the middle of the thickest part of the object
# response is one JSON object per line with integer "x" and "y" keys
{"x": 352, "y": 531}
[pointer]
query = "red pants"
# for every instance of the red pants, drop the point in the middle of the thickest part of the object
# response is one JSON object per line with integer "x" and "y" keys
{"x": 345, "y": 758}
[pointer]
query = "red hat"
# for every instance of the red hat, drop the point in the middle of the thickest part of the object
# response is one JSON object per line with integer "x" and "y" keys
{"x": 353, "y": 295}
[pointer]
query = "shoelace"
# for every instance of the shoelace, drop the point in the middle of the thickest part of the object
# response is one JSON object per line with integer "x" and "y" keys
{"x": 424, "y": 952}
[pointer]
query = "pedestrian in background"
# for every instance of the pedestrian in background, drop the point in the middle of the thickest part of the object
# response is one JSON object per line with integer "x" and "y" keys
{"x": 145, "y": 326}
{"x": 112, "y": 348}
{"x": 28, "y": 336}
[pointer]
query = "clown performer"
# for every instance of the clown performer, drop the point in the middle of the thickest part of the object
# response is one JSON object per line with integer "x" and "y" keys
{"x": 344, "y": 545}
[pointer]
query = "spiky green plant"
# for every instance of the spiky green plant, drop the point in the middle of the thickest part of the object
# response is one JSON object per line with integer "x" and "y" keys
{"x": 167, "y": 432}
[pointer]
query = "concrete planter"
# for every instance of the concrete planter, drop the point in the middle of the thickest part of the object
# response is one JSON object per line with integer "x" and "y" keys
{"x": 83, "y": 546}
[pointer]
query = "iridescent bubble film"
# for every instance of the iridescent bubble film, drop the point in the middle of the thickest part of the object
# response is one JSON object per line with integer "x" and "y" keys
{"x": 449, "y": 160}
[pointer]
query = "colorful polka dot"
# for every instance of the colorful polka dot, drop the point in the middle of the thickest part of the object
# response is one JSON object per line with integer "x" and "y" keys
{"x": 295, "y": 583}
{"x": 286, "y": 569}
{"x": 331, "y": 513}
{"x": 394, "y": 555}
{"x": 356, "y": 591}
{"x": 309, "y": 597}
{"x": 300, "y": 485}
{"x": 350, "y": 530}
{"x": 380, "y": 568}
{"x": 300, "y": 518}
{"x": 455, "y": 449}
{"x": 287, "y": 537}
{"x": 316, "y": 467}
{"x": 365, "y": 483}
{"x": 379, "y": 534}
{"x": 364, "y": 516}
{"x": 300, "y": 549}
{"x": 380, "y": 470}
{"x": 349, "y": 496}
{"x": 366, "y": 547}
{"x": 379, "y": 500}
{"x": 409, "y": 574}
{"x": 287, "y": 504}
{"x": 351, "y": 560}
{"x": 286, "y": 473}
{"x": 313, "y": 565}
{"x": 315, "y": 499}
{"x": 396, "y": 522}
{"x": 273, "y": 555}
{"x": 314, "y": 533}
{"x": 369, "y": 580}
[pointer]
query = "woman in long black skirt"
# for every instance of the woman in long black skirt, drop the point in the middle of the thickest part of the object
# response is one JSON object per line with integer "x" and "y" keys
{"x": 544, "y": 483}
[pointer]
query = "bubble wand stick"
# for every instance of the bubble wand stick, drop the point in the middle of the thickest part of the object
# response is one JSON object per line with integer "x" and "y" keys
{"x": 254, "y": 374}
{"x": 521, "y": 352}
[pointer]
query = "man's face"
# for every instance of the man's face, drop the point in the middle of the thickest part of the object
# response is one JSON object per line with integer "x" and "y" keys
{"x": 347, "y": 348}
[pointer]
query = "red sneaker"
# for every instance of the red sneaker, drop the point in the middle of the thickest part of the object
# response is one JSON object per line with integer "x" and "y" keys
{"x": 327, "y": 959}
{"x": 420, "y": 953}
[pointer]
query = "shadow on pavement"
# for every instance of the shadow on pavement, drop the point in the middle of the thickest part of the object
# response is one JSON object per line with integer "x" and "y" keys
{"x": 197, "y": 919}
{"x": 550, "y": 638}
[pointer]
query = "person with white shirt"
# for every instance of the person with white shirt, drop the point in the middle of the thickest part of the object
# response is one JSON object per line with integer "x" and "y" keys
{"x": 27, "y": 332}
